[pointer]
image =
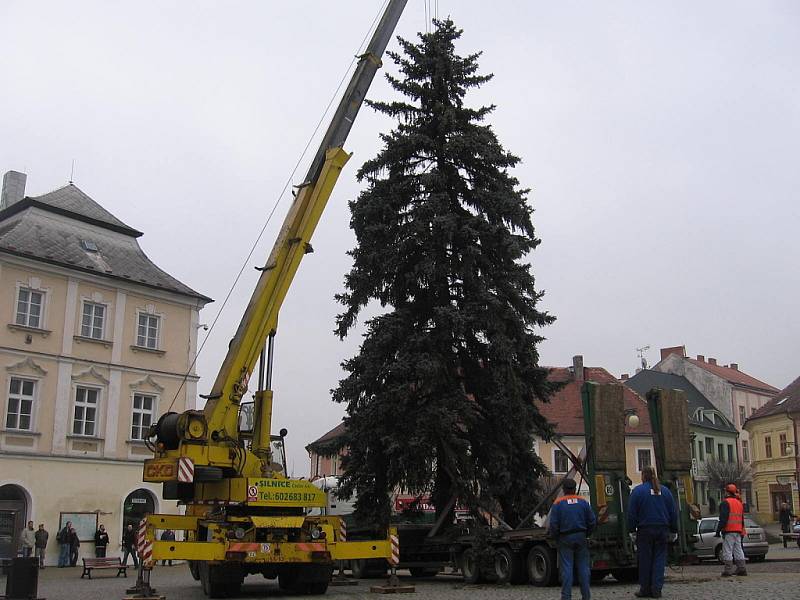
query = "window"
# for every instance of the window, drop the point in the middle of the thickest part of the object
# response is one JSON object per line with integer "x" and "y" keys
{"x": 768, "y": 446}
{"x": 142, "y": 417}
{"x": 721, "y": 452}
{"x": 147, "y": 333}
{"x": 742, "y": 415}
{"x": 745, "y": 451}
{"x": 85, "y": 418}
{"x": 94, "y": 316}
{"x": 643, "y": 459}
{"x": 784, "y": 445}
{"x": 710, "y": 447}
{"x": 700, "y": 450}
{"x": 752, "y": 410}
{"x": 19, "y": 410}
{"x": 730, "y": 453}
{"x": 560, "y": 461}
{"x": 708, "y": 525}
{"x": 29, "y": 308}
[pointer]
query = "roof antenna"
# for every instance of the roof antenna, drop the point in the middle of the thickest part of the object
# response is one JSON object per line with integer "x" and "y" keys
{"x": 72, "y": 171}
{"x": 641, "y": 352}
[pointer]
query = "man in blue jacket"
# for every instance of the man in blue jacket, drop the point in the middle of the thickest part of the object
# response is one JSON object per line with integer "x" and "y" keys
{"x": 654, "y": 518}
{"x": 570, "y": 522}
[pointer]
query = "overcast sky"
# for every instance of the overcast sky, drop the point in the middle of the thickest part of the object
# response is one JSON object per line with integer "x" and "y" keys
{"x": 660, "y": 140}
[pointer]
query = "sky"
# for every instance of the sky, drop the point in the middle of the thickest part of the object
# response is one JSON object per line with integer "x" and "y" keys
{"x": 660, "y": 142}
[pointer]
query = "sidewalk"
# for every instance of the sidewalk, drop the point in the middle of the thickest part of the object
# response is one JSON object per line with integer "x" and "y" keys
{"x": 777, "y": 553}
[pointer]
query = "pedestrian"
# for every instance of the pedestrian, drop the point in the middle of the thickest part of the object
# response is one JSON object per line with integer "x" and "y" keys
{"x": 167, "y": 536}
{"x": 785, "y": 516}
{"x": 129, "y": 545}
{"x": 731, "y": 527}
{"x": 570, "y": 522}
{"x": 28, "y": 540}
{"x": 100, "y": 542}
{"x": 41, "y": 544}
{"x": 62, "y": 537}
{"x": 654, "y": 518}
{"x": 74, "y": 547}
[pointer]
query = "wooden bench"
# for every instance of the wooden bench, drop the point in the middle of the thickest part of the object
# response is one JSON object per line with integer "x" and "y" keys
{"x": 790, "y": 536}
{"x": 104, "y": 563}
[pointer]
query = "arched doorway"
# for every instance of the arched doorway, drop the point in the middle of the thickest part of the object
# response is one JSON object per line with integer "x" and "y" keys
{"x": 13, "y": 513}
{"x": 137, "y": 504}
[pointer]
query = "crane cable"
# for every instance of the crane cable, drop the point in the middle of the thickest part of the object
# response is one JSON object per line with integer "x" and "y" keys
{"x": 355, "y": 59}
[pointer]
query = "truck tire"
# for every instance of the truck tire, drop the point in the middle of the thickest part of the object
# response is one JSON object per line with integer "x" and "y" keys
{"x": 469, "y": 563}
{"x": 542, "y": 566}
{"x": 194, "y": 569}
{"x": 305, "y": 579}
{"x": 628, "y": 575}
{"x": 508, "y": 566}
{"x": 216, "y": 583}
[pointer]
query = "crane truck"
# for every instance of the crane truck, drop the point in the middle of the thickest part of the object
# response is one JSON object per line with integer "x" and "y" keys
{"x": 526, "y": 553}
{"x": 243, "y": 513}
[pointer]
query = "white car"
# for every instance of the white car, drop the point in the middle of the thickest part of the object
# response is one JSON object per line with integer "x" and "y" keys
{"x": 707, "y": 546}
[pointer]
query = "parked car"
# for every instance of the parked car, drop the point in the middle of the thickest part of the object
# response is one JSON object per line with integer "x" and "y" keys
{"x": 707, "y": 546}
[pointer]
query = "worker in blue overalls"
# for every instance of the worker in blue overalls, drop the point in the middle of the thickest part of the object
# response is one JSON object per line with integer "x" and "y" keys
{"x": 571, "y": 521}
{"x": 654, "y": 518}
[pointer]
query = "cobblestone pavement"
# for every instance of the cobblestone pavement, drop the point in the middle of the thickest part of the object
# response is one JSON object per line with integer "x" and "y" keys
{"x": 768, "y": 581}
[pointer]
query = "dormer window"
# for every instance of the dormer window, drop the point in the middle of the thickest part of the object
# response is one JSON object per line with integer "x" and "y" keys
{"x": 89, "y": 245}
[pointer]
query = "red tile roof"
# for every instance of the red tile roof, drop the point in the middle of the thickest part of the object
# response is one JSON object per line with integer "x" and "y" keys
{"x": 734, "y": 376}
{"x": 334, "y": 433}
{"x": 786, "y": 401}
{"x": 565, "y": 409}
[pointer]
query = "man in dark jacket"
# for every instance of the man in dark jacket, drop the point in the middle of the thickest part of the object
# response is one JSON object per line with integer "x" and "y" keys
{"x": 63, "y": 545}
{"x": 653, "y": 516}
{"x": 129, "y": 545}
{"x": 570, "y": 522}
{"x": 785, "y": 516}
{"x": 41, "y": 544}
{"x": 74, "y": 546}
{"x": 100, "y": 542}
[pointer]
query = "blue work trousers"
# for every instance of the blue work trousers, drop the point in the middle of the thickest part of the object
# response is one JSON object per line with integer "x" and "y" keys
{"x": 651, "y": 544}
{"x": 573, "y": 554}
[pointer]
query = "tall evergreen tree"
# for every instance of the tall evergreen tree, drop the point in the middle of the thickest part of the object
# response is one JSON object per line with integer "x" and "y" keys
{"x": 440, "y": 397}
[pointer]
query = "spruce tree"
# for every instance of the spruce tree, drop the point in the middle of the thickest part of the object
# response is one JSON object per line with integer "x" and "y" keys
{"x": 440, "y": 398}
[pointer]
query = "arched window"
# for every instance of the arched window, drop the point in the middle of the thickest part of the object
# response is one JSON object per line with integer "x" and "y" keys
{"x": 137, "y": 504}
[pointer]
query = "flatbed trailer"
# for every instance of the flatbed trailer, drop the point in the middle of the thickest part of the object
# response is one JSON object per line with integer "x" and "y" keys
{"x": 527, "y": 553}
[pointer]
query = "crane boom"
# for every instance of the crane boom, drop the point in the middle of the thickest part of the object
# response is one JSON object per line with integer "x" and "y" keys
{"x": 261, "y": 316}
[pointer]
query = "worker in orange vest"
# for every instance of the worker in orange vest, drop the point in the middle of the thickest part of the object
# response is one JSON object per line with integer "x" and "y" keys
{"x": 731, "y": 527}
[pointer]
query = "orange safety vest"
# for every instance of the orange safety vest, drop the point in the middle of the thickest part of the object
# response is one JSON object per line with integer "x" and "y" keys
{"x": 735, "y": 522}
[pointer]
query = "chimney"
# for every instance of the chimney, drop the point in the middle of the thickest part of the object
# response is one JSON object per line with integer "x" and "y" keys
{"x": 624, "y": 377}
{"x": 13, "y": 188}
{"x": 577, "y": 366}
{"x": 701, "y": 358}
{"x": 679, "y": 350}
{"x": 712, "y": 361}
{"x": 735, "y": 366}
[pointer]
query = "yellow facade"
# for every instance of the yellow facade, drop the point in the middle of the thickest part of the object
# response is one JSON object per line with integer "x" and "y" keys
{"x": 767, "y": 469}
{"x": 47, "y": 467}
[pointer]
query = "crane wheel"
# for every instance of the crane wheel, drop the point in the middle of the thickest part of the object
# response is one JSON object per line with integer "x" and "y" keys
{"x": 469, "y": 562}
{"x": 508, "y": 566}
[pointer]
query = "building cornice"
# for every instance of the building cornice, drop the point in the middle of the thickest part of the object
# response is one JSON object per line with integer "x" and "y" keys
{"x": 106, "y": 365}
{"x": 4, "y": 454}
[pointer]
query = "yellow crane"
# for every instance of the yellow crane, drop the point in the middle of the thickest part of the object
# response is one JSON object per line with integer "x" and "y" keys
{"x": 243, "y": 514}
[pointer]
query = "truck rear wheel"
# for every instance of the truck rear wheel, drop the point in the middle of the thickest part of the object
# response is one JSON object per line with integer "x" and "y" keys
{"x": 542, "y": 565}
{"x": 305, "y": 579}
{"x": 470, "y": 566}
{"x": 508, "y": 566}
{"x": 220, "y": 581}
{"x": 421, "y": 572}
